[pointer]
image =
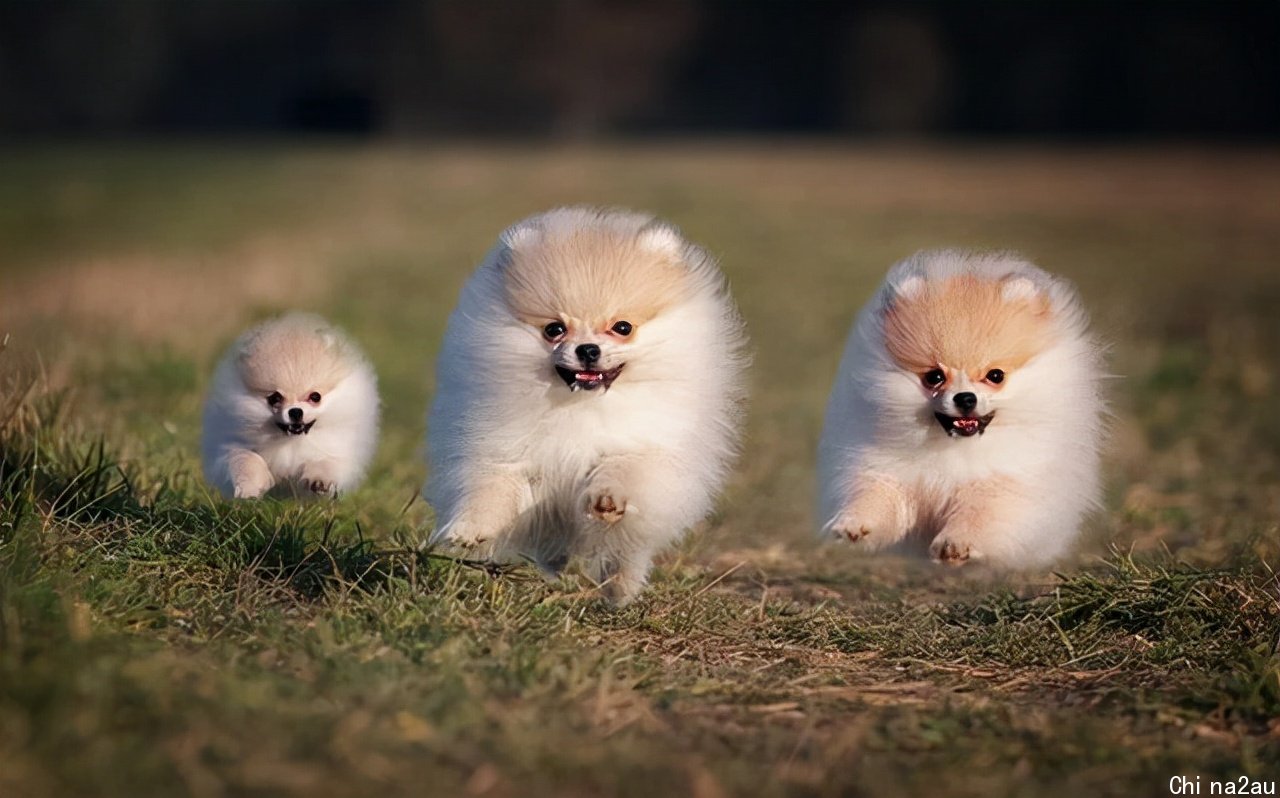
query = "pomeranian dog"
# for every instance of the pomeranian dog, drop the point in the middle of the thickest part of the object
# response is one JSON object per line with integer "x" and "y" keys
{"x": 588, "y": 397}
{"x": 293, "y": 410}
{"x": 966, "y": 415}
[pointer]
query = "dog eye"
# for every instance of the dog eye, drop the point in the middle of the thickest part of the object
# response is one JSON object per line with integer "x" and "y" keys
{"x": 995, "y": 376}
{"x": 554, "y": 330}
{"x": 274, "y": 398}
{"x": 622, "y": 328}
{"x": 314, "y": 398}
{"x": 934, "y": 378}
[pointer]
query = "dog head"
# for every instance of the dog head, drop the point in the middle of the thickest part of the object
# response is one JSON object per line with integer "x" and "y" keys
{"x": 288, "y": 367}
{"x": 962, "y": 339}
{"x": 589, "y": 285}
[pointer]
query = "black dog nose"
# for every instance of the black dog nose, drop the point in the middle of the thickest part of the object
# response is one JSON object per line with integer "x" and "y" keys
{"x": 295, "y": 415}
{"x": 587, "y": 353}
{"x": 966, "y": 401}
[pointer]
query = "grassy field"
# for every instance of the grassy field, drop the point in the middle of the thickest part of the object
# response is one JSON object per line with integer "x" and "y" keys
{"x": 157, "y": 641}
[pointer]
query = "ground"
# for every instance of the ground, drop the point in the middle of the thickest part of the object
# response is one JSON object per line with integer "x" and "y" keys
{"x": 155, "y": 640}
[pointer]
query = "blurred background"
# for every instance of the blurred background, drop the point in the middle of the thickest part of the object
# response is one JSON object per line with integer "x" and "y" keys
{"x": 579, "y": 69}
{"x": 172, "y": 171}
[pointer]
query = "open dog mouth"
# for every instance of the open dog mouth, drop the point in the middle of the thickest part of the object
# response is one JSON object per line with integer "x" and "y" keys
{"x": 296, "y": 429}
{"x": 964, "y": 426}
{"x": 587, "y": 379}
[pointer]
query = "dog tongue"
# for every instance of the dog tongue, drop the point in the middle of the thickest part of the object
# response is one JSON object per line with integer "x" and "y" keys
{"x": 966, "y": 424}
{"x": 588, "y": 376}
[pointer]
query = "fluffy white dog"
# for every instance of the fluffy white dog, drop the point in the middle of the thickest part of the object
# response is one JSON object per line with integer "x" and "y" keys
{"x": 588, "y": 396}
{"x": 294, "y": 408}
{"x": 966, "y": 415}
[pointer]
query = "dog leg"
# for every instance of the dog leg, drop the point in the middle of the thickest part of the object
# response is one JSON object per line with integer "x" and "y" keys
{"x": 620, "y": 572}
{"x": 319, "y": 478}
{"x": 878, "y": 514}
{"x": 489, "y": 508}
{"x": 605, "y": 496}
{"x": 981, "y": 521}
{"x": 250, "y": 475}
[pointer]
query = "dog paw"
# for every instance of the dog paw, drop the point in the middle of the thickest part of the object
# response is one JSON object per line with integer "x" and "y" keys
{"x": 619, "y": 582}
{"x": 321, "y": 487}
{"x": 463, "y": 536}
{"x": 875, "y": 516}
{"x": 604, "y": 507}
{"x": 948, "y": 550}
{"x": 251, "y": 489}
{"x": 250, "y": 476}
{"x": 253, "y": 485}
{"x": 317, "y": 480}
{"x": 849, "y": 529}
{"x": 310, "y": 486}
{"x": 865, "y": 534}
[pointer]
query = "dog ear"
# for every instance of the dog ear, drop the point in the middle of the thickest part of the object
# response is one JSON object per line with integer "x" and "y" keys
{"x": 661, "y": 238}
{"x": 520, "y": 235}
{"x": 318, "y": 327}
{"x": 905, "y": 289}
{"x": 1016, "y": 288}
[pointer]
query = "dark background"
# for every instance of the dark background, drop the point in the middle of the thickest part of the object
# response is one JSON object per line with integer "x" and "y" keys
{"x": 587, "y": 68}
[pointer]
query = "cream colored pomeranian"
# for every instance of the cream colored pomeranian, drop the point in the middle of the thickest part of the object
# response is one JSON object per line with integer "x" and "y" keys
{"x": 966, "y": 414}
{"x": 294, "y": 407}
{"x": 589, "y": 394}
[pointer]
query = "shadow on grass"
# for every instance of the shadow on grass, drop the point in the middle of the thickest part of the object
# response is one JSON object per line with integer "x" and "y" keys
{"x": 52, "y": 478}
{"x": 1144, "y": 624}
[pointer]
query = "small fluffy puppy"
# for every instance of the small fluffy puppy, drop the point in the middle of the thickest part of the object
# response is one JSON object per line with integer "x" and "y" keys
{"x": 293, "y": 407}
{"x": 966, "y": 415}
{"x": 588, "y": 396}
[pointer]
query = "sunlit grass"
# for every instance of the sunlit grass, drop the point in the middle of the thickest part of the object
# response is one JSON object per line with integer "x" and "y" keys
{"x": 157, "y": 640}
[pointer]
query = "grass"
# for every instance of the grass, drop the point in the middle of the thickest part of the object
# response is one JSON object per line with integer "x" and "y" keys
{"x": 156, "y": 640}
